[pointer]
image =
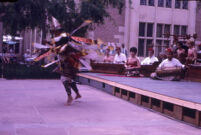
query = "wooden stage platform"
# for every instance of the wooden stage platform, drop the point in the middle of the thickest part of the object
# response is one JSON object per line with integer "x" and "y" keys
{"x": 181, "y": 100}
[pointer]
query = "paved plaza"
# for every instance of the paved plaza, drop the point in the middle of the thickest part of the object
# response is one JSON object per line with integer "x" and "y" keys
{"x": 37, "y": 107}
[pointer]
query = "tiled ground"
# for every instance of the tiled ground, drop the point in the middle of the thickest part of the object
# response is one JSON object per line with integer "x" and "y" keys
{"x": 36, "y": 107}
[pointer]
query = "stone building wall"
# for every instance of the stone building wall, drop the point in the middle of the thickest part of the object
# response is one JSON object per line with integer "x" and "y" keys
{"x": 113, "y": 28}
{"x": 198, "y": 21}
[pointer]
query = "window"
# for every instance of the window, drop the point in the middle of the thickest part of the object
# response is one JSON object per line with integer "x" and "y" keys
{"x": 185, "y": 4}
{"x": 149, "y": 45}
{"x": 161, "y": 40}
{"x": 160, "y": 3}
{"x": 158, "y": 47}
{"x": 176, "y": 30}
{"x": 142, "y": 29}
{"x": 166, "y": 44}
{"x": 183, "y": 30}
{"x": 151, "y": 2}
{"x": 141, "y": 47}
{"x": 143, "y": 2}
{"x": 168, "y": 3}
{"x": 167, "y": 28}
{"x": 177, "y": 3}
{"x": 145, "y": 38}
{"x": 159, "y": 30}
{"x": 149, "y": 30}
{"x": 180, "y": 30}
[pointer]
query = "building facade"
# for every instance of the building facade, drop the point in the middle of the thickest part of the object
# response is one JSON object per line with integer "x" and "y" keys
{"x": 113, "y": 28}
{"x": 198, "y": 22}
{"x": 142, "y": 24}
{"x": 146, "y": 21}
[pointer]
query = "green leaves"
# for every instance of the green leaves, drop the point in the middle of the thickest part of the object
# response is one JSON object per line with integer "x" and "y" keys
{"x": 35, "y": 13}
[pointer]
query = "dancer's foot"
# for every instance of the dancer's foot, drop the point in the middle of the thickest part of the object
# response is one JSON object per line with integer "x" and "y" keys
{"x": 70, "y": 100}
{"x": 78, "y": 96}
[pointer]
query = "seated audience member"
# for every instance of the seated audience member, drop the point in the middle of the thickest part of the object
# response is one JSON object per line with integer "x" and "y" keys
{"x": 151, "y": 59}
{"x": 119, "y": 57}
{"x": 108, "y": 58}
{"x": 181, "y": 55}
{"x": 132, "y": 65}
{"x": 170, "y": 68}
{"x": 192, "y": 54}
{"x": 162, "y": 56}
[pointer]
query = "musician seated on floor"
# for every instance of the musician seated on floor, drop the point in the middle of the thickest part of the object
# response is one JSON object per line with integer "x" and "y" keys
{"x": 119, "y": 58}
{"x": 108, "y": 58}
{"x": 151, "y": 59}
{"x": 132, "y": 65}
{"x": 169, "y": 69}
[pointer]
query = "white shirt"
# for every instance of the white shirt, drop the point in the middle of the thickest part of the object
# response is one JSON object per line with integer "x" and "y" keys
{"x": 168, "y": 64}
{"x": 124, "y": 51}
{"x": 148, "y": 60}
{"x": 120, "y": 58}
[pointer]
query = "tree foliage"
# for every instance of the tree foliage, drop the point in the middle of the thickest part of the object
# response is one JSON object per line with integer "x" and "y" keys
{"x": 35, "y": 13}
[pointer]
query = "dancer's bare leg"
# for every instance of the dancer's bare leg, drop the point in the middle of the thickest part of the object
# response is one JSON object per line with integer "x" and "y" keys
{"x": 74, "y": 87}
{"x": 68, "y": 91}
{"x": 69, "y": 100}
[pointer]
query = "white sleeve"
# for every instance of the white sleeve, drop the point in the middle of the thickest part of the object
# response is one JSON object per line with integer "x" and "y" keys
{"x": 161, "y": 64}
{"x": 144, "y": 61}
{"x": 178, "y": 63}
{"x": 156, "y": 59}
{"x": 124, "y": 58}
{"x": 115, "y": 59}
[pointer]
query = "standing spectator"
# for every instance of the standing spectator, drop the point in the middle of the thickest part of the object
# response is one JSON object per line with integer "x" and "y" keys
{"x": 192, "y": 53}
{"x": 123, "y": 50}
{"x": 181, "y": 55}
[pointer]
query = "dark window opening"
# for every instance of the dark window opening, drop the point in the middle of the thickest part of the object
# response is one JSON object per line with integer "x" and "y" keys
{"x": 131, "y": 94}
{"x": 145, "y": 99}
{"x": 117, "y": 90}
{"x": 189, "y": 112}
{"x": 168, "y": 3}
{"x": 160, "y": 3}
{"x": 141, "y": 47}
{"x": 124, "y": 92}
{"x": 151, "y": 2}
{"x": 142, "y": 29}
{"x": 103, "y": 85}
{"x": 149, "y": 30}
{"x": 177, "y": 3}
{"x": 155, "y": 102}
{"x": 143, "y": 2}
{"x": 168, "y": 106}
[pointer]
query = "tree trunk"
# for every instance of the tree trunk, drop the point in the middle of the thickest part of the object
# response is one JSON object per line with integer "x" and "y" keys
{"x": 1, "y": 37}
{"x": 44, "y": 34}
